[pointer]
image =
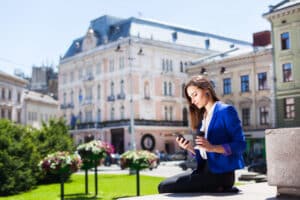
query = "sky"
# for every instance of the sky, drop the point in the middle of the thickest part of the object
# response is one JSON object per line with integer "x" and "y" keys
{"x": 38, "y": 32}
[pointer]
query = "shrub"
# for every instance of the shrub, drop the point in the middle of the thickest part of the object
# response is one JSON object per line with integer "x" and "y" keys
{"x": 18, "y": 159}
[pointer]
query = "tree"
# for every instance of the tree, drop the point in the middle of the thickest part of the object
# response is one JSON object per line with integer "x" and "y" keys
{"x": 18, "y": 158}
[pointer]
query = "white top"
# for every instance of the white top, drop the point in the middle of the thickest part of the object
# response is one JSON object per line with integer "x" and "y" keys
{"x": 205, "y": 124}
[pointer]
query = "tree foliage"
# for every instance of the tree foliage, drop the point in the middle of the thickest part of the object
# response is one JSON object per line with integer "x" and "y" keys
{"x": 18, "y": 158}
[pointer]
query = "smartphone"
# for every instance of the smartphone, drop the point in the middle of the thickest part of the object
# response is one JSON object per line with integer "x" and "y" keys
{"x": 180, "y": 136}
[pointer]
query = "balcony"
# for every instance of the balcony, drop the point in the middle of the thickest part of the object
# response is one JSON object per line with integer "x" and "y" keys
{"x": 88, "y": 77}
{"x": 111, "y": 98}
{"x": 121, "y": 96}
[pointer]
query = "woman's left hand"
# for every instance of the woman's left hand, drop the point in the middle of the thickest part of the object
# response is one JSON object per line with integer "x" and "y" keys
{"x": 204, "y": 143}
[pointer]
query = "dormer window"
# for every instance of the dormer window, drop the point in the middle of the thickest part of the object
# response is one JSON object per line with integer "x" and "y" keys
{"x": 207, "y": 44}
{"x": 174, "y": 36}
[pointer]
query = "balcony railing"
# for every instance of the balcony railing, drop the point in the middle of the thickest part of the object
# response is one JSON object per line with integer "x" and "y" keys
{"x": 111, "y": 98}
{"x": 121, "y": 96}
{"x": 126, "y": 122}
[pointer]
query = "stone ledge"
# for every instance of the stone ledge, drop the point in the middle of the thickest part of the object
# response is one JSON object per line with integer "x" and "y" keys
{"x": 257, "y": 191}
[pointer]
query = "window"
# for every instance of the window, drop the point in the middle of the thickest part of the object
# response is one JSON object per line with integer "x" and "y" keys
{"x": 165, "y": 88}
{"x": 289, "y": 108}
{"x": 181, "y": 66}
{"x": 19, "y": 116}
{"x": 174, "y": 36}
{"x": 72, "y": 76}
{"x": 65, "y": 98}
{"x": 89, "y": 116}
{"x": 146, "y": 90}
{"x": 207, "y": 44}
{"x": 98, "y": 92}
{"x": 262, "y": 81}
{"x": 227, "y": 86}
{"x": 80, "y": 97}
{"x": 121, "y": 62}
{"x": 2, "y": 113}
{"x": 245, "y": 83}
{"x": 171, "y": 113}
{"x": 80, "y": 74}
{"x": 122, "y": 87}
{"x": 3, "y": 93}
{"x": 122, "y": 110}
{"x": 246, "y": 116}
{"x": 285, "y": 40}
{"x": 166, "y": 113}
{"x": 99, "y": 115}
{"x": 72, "y": 97}
{"x": 98, "y": 68}
{"x": 9, "y": 114}
{"x": 112, "y": 113}
{"x": 112, "y": 88}
{"x": 9, "y": 94}
{"x": 182, "y": 88}
{"x": 263, "y": 116}
{"x": 170, "y": 89}
{"x": 287, "y": 72}
{"x": 111, "y": 66}
{"x": 19, "y": 97}
{"x": 163, "y": 65}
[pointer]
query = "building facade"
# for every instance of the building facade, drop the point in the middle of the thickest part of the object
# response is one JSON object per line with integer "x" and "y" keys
{"x": 123, "y": 81}
{"x": 245, "y": 80}
{"x": 38, "y": 108}
{"x": 12, "y": 89}
{"x": 285, "y": 21}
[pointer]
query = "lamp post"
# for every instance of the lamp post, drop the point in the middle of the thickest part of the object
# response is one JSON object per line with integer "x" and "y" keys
{"x": 132, "y": 133}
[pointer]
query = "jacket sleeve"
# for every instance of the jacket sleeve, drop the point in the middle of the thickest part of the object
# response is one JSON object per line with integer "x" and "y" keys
{"x": 233, "y": 126}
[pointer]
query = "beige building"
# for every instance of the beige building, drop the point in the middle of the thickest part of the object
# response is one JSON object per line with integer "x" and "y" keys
{"x": 285, "y": 21}
{"x": 244, "y": 79}
{"x": 38, "y": 108}
{"x": 122, "y": 82}
{"x": 12, "y": 89}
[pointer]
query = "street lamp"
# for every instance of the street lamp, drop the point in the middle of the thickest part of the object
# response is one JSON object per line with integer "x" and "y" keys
{"x": 130, "y": 60}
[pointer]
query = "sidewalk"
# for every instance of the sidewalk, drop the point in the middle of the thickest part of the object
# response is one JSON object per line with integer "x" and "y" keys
{"x": 252, "y": 191}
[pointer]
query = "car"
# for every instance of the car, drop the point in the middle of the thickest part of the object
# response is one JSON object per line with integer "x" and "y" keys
{"x": 259, "y": 167}
{"x": 192, "y": 164}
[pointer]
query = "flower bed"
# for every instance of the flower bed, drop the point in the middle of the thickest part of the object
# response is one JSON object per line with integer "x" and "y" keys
{"x": 140, "y": 159}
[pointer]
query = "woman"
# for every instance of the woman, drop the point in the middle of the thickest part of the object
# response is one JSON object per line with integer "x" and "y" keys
{"x": 218, "y": 151}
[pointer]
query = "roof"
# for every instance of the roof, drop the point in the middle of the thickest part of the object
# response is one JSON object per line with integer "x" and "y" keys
{"x": 282, "y": 5}
{"x": 108, "y": 29}
{"x": 13, "y": 78}
{"x": 38, "y": 97}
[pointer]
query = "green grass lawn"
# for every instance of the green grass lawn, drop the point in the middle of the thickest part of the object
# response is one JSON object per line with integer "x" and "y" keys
{"x": 109, "y": 187}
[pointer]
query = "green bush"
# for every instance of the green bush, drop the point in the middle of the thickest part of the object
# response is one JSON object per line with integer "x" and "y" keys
{"x": 18, "y": 158}
{"x": 52, "y": 137}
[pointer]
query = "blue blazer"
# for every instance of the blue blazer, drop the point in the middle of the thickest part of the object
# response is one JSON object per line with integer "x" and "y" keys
{"x": 225, "y": 129}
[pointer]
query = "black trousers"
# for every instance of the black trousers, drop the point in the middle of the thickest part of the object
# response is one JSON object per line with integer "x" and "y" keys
{"x": 200, "y": 180}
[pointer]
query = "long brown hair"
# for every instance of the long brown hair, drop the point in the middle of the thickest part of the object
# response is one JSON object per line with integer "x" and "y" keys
{"x": 196, "y": 114}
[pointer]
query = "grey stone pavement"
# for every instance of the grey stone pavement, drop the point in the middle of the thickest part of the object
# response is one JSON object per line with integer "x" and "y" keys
{"x": 248, "y": 190}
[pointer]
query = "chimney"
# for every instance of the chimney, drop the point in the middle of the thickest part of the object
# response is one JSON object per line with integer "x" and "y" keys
{"x": 262, "y": 38}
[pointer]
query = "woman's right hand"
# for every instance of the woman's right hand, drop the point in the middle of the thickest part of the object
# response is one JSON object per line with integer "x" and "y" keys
{"x": 182, "y": 142}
